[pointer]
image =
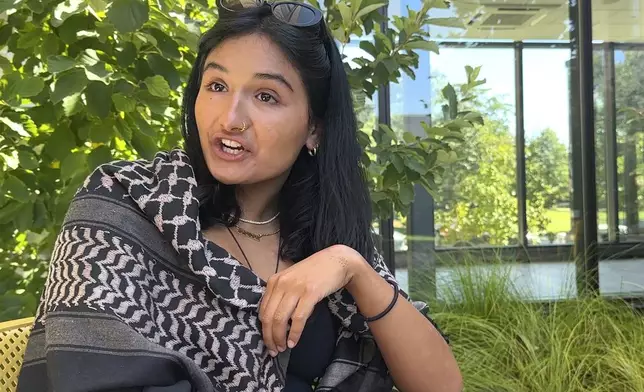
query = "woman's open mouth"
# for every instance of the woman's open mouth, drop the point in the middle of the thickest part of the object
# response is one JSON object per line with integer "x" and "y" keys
{"x": 231, "y": 146}
{"x": 229, "y": 149}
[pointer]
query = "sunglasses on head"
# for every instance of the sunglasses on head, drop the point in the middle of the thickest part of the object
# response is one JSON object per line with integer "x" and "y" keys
{"x": 290, "y": 12}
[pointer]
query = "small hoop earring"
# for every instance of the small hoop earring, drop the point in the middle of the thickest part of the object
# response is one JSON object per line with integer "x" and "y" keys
{"x": 313, "y": 152}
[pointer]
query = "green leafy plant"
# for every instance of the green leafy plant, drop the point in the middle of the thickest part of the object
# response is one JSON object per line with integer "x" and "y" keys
{"x": 85, "y": 82}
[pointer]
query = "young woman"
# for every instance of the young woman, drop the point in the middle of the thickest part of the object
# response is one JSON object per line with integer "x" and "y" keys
{"x": 245, "y": 263}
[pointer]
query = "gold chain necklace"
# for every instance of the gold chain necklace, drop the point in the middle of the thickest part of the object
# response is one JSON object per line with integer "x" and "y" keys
{"x": 252, "y": 235}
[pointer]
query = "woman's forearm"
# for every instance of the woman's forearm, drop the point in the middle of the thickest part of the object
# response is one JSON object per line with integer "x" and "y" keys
{"x": 416, "y": 354}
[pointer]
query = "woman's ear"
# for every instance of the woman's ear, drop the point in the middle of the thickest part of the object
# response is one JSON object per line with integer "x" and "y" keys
{"x": 313, "y": 140}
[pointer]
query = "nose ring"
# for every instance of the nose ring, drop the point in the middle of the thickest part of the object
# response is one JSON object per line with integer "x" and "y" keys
{"x": 243, "y": 128}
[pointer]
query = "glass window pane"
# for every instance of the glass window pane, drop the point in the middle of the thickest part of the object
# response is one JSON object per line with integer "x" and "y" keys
{"x": 547, "y": 133}
{"x": 618, "y": 34}
{"x": 476, "y": 203}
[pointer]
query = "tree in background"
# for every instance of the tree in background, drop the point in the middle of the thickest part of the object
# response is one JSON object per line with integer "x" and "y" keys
{"x": 476, "y": 202}
{"x": 547, "y": 169}
{"x": 85, "y": 82}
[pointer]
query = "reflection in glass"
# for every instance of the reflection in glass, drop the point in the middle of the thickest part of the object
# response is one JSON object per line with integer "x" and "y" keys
{"x": 618, "y": 33}
{"x": 629, "y": 101}
{"x": 547, "y": 133}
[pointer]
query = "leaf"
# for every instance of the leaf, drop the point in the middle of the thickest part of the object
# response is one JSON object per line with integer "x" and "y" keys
{"x": 369, "y": 47}
{"x": 43, "y": 114}
{"x": 398, "y": 162}
{"x": 165, "y": 68}
{"x": 144, "y": 145}
{"x": 51, "y": 46}
{"x": 18, "y": 128}
{"x": 72, "y": 105}
{"x": 100, "y": 155}
{"x": 30, "y": 86}
{"x": 378, "y": 196}
{"x": 123, "y": 103}
{"x": 41, "y": 216}
{"x": 157, "y": 86}
{"x": 450, "y": 94}
{"x": 166, "y": 44}
{"x": 66, "y": 9}
{"x": 127, "y": 55}
{"x": 24, "y": 218}
{"x": 97, "y": 72}
{"x": 157, "y": 105}
{"x": 430, "y": 46}
{"x": 27, "y": 160}
{"x": 390, "y": 177}
{"x": 446, "y": 22}
{"x": 409, "y": 137}
{"x": 98, "y": 5}
{"x": 406, "y": 193}
{"x": 388, "y": 131}
{"x": 123, "y": 86}
{"x": 88, "y": 57}
{"x": 345, "y": 12}
{"x": 5, "y": 65}
{"x": 102, "y": 132}
{"x": 72, "y": 165}
{"x": 355, "y": 6}
{"x": 29, "y": 39}
{"x": 69, "y": 83}
{"x": 123, "y": 128}
{"x": 60, "y": 63}
{"x": 128, "y": 15}
{"x": 8, "y": 211}
{"x": 6, "y": 5}
{"x": 442, "y": 157}
{"x": 16, "y": 188}
{"x": 368, "y": 9}
{"x": 390, "y": 64}
{"x": 143, "y": 125}
{"x": 383, "y": 43}
{"x": 5, "y": 33}
{"x": 60, "y": 143}
{"x": 97, "y": 95}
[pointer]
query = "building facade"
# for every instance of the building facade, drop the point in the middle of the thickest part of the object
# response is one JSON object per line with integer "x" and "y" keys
{"x": 553, "y": 181}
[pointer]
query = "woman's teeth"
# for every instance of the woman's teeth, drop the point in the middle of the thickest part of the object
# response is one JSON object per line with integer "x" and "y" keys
{"x": 230, "y": 143}
{"x": 231, "y": 151}
{"x": 231, "y": 147}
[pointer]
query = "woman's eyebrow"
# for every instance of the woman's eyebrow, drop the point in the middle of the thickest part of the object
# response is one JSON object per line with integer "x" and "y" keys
{"x": 260, "y": 75}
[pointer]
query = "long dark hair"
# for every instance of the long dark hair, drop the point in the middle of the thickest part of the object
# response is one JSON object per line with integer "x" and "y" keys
{"x": 325, "y": 200}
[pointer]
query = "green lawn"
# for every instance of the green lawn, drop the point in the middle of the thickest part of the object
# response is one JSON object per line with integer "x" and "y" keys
{"x": 560, "y": 219}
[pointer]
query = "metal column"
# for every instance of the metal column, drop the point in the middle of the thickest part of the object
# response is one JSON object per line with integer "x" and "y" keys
{"x": 610, "y": 141}
{"x": 384, "y": 117}
{"x": 520, "y": 144}
{"x": 582, "y": 55}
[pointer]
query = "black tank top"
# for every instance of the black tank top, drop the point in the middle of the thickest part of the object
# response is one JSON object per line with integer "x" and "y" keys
{"x": 310, "y": 358}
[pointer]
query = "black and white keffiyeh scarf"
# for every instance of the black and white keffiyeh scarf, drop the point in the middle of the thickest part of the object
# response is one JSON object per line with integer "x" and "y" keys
{"x": 137, "y": 299}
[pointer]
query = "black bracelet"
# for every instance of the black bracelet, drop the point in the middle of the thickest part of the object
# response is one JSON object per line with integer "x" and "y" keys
{"x": 386, "y": 311}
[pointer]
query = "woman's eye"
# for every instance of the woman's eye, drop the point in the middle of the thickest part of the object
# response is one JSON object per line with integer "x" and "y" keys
{"x": 266, "y": 97}
{"x": 218, "y": 87}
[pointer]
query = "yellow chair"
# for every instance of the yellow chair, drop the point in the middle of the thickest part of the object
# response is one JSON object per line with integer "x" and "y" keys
{"x": 13, "y": 340}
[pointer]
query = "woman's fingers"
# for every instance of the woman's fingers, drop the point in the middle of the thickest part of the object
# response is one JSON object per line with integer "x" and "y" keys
{"x": 270, "y": 303}
{"x": 285, "y": 300}
{"x": 281, "y": 317}
{"x": 299, "y": 317}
